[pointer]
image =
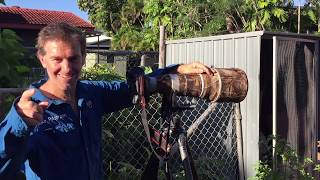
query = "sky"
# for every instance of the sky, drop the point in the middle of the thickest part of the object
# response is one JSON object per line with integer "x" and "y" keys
{"x": 58, "y": 5}
{"x": 299, "y": 2}
{"x": 65, "y": 5}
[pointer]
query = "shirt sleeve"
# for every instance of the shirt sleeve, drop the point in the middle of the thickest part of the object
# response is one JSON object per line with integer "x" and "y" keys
{"x": 116, "y": 95}
{"x": 13, "y": 135}
{"x": 169, "y": 69}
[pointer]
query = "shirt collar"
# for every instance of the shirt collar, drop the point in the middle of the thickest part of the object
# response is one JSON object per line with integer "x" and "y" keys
{"x": 38, "y": 96}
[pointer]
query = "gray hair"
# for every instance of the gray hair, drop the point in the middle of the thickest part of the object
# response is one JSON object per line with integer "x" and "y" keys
{"x": 61, "y": 31}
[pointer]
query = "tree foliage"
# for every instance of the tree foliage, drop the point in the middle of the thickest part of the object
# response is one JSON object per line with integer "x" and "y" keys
{"x": 263, "y": 14}
{"x": 11, "y": 54}
{"x": 312, "y": 10}
{"x": 134, "y": 24}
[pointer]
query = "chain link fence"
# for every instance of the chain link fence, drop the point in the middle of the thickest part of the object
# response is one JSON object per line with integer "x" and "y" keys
{"x": 213, "y": 144}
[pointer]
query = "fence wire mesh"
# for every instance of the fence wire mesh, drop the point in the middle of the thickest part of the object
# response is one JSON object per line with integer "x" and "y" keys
{"x": 213, "y": 144}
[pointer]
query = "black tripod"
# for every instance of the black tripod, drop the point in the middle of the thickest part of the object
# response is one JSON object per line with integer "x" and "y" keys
{"x": 171, "y": 127}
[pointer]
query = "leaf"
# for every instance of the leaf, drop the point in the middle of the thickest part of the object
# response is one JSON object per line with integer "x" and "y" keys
{"x": 165, "y": 20}
{"x": 273, "y": 2}
{"x": 280, "y": 14}
{"x": 165, "y": 10}
{"x": 277, "y": 12}
{"x": 312, "y": 16}
{"x": 147, "y": 69}
{"x": 317, "y": 168}
{"x": 266, "y": 17}
{"x": 262, "y": 4}
{"x": 22, "y": 69}
{"x": 251, "y": 26}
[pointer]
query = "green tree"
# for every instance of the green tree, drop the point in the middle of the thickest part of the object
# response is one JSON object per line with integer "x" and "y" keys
{"x": 255, "y": 15}
{"x": 11, "y": 54}
{"x": 104, "y": 14}
{"x": 134, "y": 24}
{"x": 186, "y": 18}
{"x": 312, "y": 10}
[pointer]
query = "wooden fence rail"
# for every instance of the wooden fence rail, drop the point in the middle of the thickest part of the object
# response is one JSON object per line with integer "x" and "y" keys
{"x": 11, "y": 90}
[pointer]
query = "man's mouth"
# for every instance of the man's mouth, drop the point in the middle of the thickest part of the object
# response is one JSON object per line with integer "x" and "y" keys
{"x": 66, "y": 76}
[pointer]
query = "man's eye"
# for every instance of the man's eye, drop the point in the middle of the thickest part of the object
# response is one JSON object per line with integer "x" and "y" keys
{"x": 57, "y": 60}
{"x": 73, "y": 59}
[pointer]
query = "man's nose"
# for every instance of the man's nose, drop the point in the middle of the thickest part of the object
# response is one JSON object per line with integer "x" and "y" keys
{"x": 66, "y": 65}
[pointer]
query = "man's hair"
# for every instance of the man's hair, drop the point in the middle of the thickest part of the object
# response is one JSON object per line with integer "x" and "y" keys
{"x": 60, "y": 31}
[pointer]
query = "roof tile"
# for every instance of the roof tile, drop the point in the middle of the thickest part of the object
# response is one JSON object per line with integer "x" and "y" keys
{"x": 34, "y": 18}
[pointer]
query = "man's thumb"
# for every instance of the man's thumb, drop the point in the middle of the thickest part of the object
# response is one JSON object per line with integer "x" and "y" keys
{"x": 44, "y": 104}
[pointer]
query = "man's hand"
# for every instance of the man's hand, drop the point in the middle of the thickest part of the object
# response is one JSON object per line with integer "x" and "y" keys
{"x": 194, "y": 68}
{"x": 30, "y": 111}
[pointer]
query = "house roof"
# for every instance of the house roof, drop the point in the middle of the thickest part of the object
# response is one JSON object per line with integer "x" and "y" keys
{"x": 96, "y": 39}
{"x": 23, "y": 18}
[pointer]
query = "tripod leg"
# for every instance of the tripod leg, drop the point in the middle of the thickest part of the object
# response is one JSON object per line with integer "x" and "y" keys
{"x": 151, "y": 171}
{"x": 186, "y": 158}
{"x": 193, "y": 168}
{"x": 167, "y": 170}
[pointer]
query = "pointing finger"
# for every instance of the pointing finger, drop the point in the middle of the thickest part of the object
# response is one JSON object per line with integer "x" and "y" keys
{"x": 26, "y": 95}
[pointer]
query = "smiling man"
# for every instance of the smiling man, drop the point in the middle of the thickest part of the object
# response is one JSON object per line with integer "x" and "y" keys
{"x": 53, "y": 131}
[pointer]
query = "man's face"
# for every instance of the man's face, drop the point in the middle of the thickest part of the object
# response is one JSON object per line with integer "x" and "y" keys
{"x": 63, "y": 62}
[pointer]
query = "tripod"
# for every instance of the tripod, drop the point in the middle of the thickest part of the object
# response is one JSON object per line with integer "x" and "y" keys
{"x": 172, "y": 138}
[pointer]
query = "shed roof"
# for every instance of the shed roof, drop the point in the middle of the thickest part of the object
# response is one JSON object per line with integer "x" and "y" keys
{"x": 25, "y": 18}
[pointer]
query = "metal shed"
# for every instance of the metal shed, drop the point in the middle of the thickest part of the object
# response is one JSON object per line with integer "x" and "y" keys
{"x": 282, "y": 70}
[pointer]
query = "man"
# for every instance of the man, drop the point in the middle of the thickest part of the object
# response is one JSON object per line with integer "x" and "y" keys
{"x": 53, "y": 131}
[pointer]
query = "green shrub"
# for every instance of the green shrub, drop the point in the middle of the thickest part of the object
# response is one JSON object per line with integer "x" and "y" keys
{"x": 289, "y": 164}
{"x": 101, "y": 72}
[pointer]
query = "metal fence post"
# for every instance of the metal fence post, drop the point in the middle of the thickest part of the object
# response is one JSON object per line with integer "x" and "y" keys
{"x": 162, "y": 48}
{"x": 238, "y": 118}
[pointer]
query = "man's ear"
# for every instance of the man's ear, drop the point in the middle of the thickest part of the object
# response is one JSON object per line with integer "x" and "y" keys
{"x": 42, "y": 61}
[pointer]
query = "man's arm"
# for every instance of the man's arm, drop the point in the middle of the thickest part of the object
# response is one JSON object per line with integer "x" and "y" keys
{"x": 14, "y": 132}
{"x": 13, "y": 135}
